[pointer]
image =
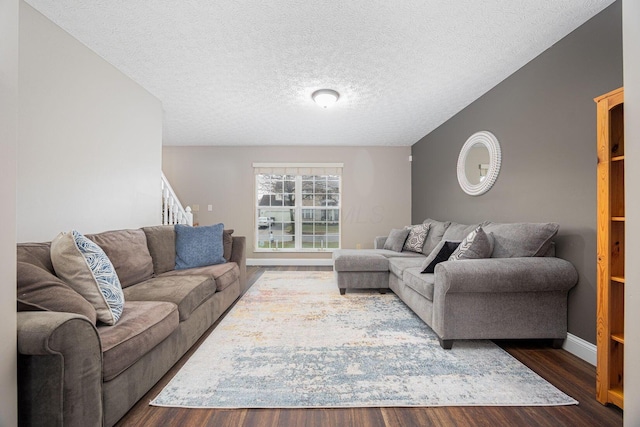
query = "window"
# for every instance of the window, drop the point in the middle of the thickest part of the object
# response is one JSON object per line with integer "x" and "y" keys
{"x": 298, "y": 207}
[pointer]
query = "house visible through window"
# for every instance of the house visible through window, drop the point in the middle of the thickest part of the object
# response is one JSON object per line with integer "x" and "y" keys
{"x": 298, "y": 206}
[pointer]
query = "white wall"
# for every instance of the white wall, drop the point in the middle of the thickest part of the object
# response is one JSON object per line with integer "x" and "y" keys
{"x": 376, "y": 187}
{"x": 631, "y": 46}
{"x": 89, "y": 144}
{"x": 8, "y": 137}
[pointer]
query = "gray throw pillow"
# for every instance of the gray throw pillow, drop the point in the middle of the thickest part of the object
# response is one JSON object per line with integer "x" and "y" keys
{"x": 521, "y": 239}
{"x": 396, "y": 239}
{"x": 417, "y": 235}
{"x": 434, "y": 236}
{"x": 477, "y": 244}
{"x": 440, "y": 253}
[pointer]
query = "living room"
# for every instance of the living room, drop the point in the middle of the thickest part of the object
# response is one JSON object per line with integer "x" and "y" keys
{"x": 543, "y": 113}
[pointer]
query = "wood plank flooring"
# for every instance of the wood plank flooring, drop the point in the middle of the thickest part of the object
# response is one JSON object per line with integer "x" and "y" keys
{"x": 565, "y": 371}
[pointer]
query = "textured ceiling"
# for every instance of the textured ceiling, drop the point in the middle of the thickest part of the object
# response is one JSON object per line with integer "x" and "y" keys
{"x": 242, "y": 72}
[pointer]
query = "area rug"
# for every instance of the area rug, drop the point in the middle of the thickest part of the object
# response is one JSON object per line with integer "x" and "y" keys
{"x": 293, "y": 341}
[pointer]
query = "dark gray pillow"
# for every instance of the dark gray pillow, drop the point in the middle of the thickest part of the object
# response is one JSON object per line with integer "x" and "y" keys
{"x": 521, "y": 239}
{"x": 396, "y": 239}
{"x": 440, "y": 253}
{"x": 476, "y": 245}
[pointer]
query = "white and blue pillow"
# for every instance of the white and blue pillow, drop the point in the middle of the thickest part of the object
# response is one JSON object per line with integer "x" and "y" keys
{"x": 85, "y": 267}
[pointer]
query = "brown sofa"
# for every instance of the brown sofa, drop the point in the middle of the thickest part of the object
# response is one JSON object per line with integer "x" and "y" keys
{"x": 74, "y": 371}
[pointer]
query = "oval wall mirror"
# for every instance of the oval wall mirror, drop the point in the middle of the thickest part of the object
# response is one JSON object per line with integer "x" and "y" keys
{"x": 479, "y": 163}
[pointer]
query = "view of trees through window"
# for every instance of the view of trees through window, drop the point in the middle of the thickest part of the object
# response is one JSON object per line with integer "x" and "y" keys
{"x": 298, "y": 212}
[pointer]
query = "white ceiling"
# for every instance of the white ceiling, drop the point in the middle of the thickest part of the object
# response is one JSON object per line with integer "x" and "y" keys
{"x": 242, "y": 72}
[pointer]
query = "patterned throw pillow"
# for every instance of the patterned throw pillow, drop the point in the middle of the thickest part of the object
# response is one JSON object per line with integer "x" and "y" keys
{"x": 85, "y": 267}
{"x": 417, "y": 236}
{"x": 476, "y": 245}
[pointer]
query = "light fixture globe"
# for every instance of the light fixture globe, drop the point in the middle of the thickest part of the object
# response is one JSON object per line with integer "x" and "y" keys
{"x": 325, "y": 97}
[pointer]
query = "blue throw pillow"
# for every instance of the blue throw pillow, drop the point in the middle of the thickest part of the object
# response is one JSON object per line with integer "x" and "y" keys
{"x": 199, "y": 246}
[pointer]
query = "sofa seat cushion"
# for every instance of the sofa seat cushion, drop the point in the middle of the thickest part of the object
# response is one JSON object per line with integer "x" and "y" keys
{"x": 404, "y": 254}
{"x": 128, "y": 252}
{"x": 360, "y": 260}
{"x": 142, "y": 326}
{"x": 187, "y": 292}
{"x": 224, "y": 274}
{"x": 398, "y": 265}
{"x": 419, "y": 282}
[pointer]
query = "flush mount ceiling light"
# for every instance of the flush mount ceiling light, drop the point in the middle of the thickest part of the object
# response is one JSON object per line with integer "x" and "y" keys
{"x": 325, "y": 97}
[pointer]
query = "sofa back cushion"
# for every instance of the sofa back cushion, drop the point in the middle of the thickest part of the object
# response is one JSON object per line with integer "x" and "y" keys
{"x": 457, "y": 232}
{"x": 161, "y": 241}
{"x": 227, "y": 241}
{"x": 128, "y": 252}
{"x": 521, "y": 239}
{"x": 36, "y": 254}
{"x": 39, "y": 290}
{"x": 434, "y": 236}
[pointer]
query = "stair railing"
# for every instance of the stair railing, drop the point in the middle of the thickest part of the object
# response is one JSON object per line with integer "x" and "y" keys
{"x": 172, "y": 210}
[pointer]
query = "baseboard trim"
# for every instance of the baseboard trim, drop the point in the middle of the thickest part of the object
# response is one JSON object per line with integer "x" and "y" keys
{"x": 581, "y": 348}
{"x": 289, "y": 261}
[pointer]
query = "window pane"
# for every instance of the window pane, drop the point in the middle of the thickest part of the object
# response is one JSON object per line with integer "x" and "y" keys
{"x": 307, "y": 228}
{"x": 333, "y": 186}
{"x": 320, "y": 186}
{"x": 307, "y": 186}
{"x": 277, "y": 209}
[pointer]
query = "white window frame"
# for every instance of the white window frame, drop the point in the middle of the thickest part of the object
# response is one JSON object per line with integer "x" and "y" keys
{"x": 297, "y": 170}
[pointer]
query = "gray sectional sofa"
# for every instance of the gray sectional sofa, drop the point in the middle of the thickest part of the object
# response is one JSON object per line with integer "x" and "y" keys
{"x": 520, "y": 291}
{"x": 75, "y": 371}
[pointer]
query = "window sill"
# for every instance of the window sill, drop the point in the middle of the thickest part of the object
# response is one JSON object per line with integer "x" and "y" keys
{"x": 305, "y": 251}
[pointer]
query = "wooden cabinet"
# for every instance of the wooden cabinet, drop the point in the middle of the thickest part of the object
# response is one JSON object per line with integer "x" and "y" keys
{"x": 610, "y": 248}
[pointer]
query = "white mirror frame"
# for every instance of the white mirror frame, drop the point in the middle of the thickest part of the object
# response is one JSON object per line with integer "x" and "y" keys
{"x": 495, "y": 158}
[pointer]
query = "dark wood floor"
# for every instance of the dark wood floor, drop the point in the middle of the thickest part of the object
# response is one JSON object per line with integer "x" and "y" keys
{"x": 565, "y": 371}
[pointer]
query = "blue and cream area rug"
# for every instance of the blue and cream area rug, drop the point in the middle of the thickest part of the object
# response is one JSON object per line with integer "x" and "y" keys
{"x": 293, "y": 341}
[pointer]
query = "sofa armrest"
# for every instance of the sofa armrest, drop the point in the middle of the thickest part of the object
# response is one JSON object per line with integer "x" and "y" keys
{"x": 531, "y": 274}
{"x": 502, "y": 298}
{"x": 378, "y": 243}
{"x": 238, "y": 255}
{"x": 59, "y": 370}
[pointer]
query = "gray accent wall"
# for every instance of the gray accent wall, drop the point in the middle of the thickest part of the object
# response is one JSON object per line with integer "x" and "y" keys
{"x": 631, "y": 28}
{"x": 8, "y": 139}
{"x": 545, "y": 119}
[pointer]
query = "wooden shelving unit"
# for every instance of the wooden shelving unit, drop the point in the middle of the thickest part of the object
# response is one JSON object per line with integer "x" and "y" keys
{"x": 610, "y": 248}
